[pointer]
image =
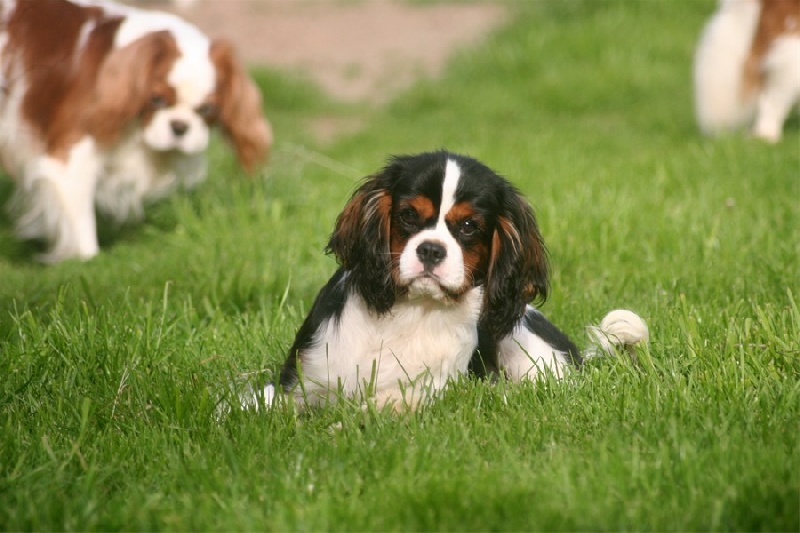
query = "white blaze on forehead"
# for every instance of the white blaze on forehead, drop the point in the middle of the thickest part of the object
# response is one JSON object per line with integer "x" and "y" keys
{"x": 193, "y": 76}
{"x": 452, "y": 175}
{"x": 449, "y": 272}
{"x": 138, "y": 23}
{"x": 6, "y": 8}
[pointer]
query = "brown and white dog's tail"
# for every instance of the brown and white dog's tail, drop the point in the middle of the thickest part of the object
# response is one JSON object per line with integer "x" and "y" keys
{"x": 723, "y": 99}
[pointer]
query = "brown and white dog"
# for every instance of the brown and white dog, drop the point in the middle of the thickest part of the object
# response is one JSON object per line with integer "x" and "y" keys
{"x": 106, "y": 106}
{"x": 747, "y": 67}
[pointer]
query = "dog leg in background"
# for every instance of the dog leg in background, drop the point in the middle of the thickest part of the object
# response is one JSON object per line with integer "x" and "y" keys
{"x": 534, "y": 347}
{"x": 58, "y": 204}
{"x": 537, "y": 346}
{"x": 781, "y": 88}
{"x": 249, "y": 398}
{"x": 721, "y": 99}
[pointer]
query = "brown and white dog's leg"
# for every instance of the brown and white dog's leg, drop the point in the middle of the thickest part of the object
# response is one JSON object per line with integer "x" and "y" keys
{"x": 59, "y": 204}
{"x": 781, "y": 89}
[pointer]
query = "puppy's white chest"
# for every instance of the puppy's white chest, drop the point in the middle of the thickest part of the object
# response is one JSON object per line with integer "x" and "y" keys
{"x": 409, "y": 352}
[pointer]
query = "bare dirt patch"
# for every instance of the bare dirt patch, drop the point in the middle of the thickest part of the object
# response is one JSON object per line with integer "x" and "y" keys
{"x": 358, "y": 51}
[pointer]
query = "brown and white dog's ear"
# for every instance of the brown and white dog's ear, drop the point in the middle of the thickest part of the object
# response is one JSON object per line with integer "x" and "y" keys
{"x": 240, "y": 113}
{"x": 360, "y": 242}
{"x": 518, "y": 268}
{"x": 124, "y": 82}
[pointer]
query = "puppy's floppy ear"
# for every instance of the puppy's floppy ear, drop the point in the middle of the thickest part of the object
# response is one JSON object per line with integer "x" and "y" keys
{"x": 518, "y": 268}
{"x": 360, "y": 242}
{"x": 240, "y": 114}
{"x": 124, "y": 81}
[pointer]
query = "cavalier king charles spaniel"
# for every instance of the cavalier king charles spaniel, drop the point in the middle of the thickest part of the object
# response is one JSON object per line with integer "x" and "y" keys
{"x": 106, "y": 106}
{"x": 439, "y": 258}
{"x": 747, "y": 67}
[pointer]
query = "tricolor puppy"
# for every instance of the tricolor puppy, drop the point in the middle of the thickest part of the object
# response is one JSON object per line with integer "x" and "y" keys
{"x": 105, "y": 106}
{"x": 747, "y": 67}
{"x": 438, "y": 254}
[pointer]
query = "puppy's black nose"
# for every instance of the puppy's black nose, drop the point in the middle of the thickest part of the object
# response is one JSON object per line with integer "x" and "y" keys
{"x": 179, "y": 127}
{"x": 431, "y": 253}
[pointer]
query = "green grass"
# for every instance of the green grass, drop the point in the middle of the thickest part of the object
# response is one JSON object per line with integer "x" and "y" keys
{"x": 110, "y": 371}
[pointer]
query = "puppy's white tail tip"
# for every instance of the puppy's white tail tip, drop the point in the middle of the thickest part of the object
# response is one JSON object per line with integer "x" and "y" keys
{"x": 620, "y": 328}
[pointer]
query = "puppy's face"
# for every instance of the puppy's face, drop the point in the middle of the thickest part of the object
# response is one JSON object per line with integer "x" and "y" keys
{"x": 176, "y": 94}
{"x": 439, "y": 243}
{"x": 435, "y": 225}
{"x": 181, "y": 108}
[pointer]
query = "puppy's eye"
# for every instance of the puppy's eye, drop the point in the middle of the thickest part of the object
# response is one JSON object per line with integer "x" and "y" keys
{"x": 408, "y": 216}
{"x": 207, "y": 111}
{"x": 468, "y": 228}
{"x": 158, "y": 102}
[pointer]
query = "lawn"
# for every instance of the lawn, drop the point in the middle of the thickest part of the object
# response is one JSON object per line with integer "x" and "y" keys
{"x": 111, "y": 370}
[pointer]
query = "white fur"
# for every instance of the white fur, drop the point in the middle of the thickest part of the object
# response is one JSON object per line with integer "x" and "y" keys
{"x": 134, "y": 175}
{"x": 525, "y": 355}
{"x": 452, "y": 176}
{"x": 249, "y": 399}
{"x": 781, "y": 88}
{"x": 60, "y": 195}
{"x": 7, "y": 7}
{"x": 719, "y": 60}
{"x": 18, "y": 144}
{"x": 720, "y": 102}
{"x": 401, "y": 357}
{"x": 620, "y": 328}
{"x": 449, "y": 274}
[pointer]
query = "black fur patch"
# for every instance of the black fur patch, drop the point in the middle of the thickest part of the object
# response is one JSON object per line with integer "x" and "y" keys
{"x": 328, "y": 305}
